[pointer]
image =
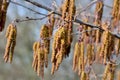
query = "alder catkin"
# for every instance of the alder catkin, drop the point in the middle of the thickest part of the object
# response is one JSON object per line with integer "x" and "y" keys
{"x": 11, "y": 34}
{"x": 115, "y": 12}
{"x": 98, "y": 14}
{"x": 3, "y": 11}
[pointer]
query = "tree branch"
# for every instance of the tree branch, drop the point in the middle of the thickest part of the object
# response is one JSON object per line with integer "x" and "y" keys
{"x": 75, "y": 20}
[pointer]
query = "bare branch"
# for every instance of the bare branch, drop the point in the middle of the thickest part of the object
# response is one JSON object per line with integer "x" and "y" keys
{"x": 30, "y": 19}
{"x": 75, "y": 20}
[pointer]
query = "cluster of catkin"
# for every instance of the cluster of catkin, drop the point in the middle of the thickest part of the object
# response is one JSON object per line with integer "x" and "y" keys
{"x": 107, "y": 46}
{"x": 38, "y": 59}
{"x": 41, "y": 48}
{"x": 109, "y": 71}
{"x": 78, "y": 58}
{"x": 11, "y": 34}
{"x": 3, "y": 10}
{"x": 59, "y": 48}
{"x": 63, "y": 38}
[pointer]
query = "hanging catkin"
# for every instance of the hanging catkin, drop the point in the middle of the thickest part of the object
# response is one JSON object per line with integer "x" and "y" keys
{"x": 59, "y": 48}
{"x": 98, "y": 13}
{"x": 78, "y": 59}
{"x": 3, "y": 11}
{"x": 38, "y": 58}
{"x": 90, "y": 53}
{"x": 11, "y": 34}
{"x": 76, "y": 56}
{"x": 63, "y": 38}
{"x": 109, "y": 71}
{"x": 116, "y": 12}
{"x": 44, "y": 34}
{"x": 105, "y": 46}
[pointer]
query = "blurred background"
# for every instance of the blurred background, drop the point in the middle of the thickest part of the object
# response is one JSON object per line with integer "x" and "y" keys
{"x": 28, "y": 32}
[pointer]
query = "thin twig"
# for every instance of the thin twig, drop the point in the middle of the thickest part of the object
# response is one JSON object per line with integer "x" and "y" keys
{"x": 13, "y": 2}
{"x": 30, "y": 19}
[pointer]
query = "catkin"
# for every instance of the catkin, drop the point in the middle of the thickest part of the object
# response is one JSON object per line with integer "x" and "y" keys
{"x": 76, "y": 61}
{"x": 98, "y": 13}
{"x": 11, "y": 34}
{"x": 44, "y": 34}
{"x": 107, "y": 68}
{"x": 59, "y": 48}
{"x": 38, "y": 58}
{"x": 109, "y": 71}
{"x": 90, "y": 53}
{"x": 105, "y": 46}
{"x": 115, "y": 11}
{"x": 3, "y": 11}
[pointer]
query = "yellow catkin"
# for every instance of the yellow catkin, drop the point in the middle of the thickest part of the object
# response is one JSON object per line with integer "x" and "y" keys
{"x": 115, "y": 11}
{"x": 34, "y": 53}
{"x": 11, "y": 34}
{"x": 3, "y": 12}
{"x": 45, "y": 35}
{"x": 76, "y": 61}
{"x": 90, "y": 53}
{"x": 105, "y": 46}
{"x": 82, "y": 55}
{"x": 109, "y": 71}
{"x": 107, "y": 68}
{"x": 81, "y": 62}
{"x": 59, "y": 48}
{"x": 65, "y": 8}
{"x": 38, "y": 58}
{"x": 51, "y": 20}
{"x": 98, "y": 13}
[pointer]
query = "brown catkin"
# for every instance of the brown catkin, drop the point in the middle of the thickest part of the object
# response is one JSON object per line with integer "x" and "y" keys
{"x": 11, "y": 34}
{"x": 3, "y": 12}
